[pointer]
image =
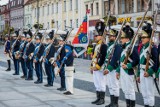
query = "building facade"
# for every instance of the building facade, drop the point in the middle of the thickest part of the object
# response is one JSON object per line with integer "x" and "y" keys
{"x": 95, "y": 8}
{"x": 133, "y": 10}
{"x": 16, "y": 14}
{"x": 54, "y": 13}
{"x": 4, "y": 17}
{"x": 27, "y": 14}
{"x": 2, "y": 21}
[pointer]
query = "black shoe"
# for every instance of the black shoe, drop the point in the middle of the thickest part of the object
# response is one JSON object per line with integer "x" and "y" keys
{"x": 9, "y": 65}
{"x": 67, "y": 93}
{"x": 127, "y": 103}
{"x": 15, "y": 74}
{"x": 115, "y": 102}
{"x": 48, "y": 85}
{"x": 111, "y": 100}
{"x": 38, "y": 82}
{"x": 61, "y": 89}
{"x": 23, "y": 76}
{"x": 8, "y": 69}
{"x": 97, "y": 94}
{"x": 29, "y": 79}
{"x": 132, "y": 103}
{"x": 101, "y": 100}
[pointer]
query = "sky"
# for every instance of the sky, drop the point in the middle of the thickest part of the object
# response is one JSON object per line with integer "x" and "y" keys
{"x": 2, "y": 2}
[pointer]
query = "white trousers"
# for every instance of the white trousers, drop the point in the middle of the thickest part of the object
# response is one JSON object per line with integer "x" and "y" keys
{"x": 69, "y": 77}
{"x": 113, "y": 83}
{"x": 147, "y": 89}
{"x": 127, "y": 85}
{"x": 99, "y": 80}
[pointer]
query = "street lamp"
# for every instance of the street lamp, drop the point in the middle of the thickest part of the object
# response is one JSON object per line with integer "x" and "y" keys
{"x": 109, "y": 11}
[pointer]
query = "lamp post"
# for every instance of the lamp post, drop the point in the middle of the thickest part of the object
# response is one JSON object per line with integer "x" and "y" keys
{"x": 109, "y": 11}
{"x": 38, "y": 13}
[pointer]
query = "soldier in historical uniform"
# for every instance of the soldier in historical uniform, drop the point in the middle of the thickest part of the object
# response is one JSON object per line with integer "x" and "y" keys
{"x": 21, "y": 52}
{"x": 28, "y": 54}
{"x": 69, "y": 69}
{"x": 14, "y": 49}
{"x": 99, "y": 54}
{"x": 60, "y": 54}
{"x": 7, "y": 47}
{"x": 146, "y": 77}
{"x": 38, "y": 52}
{"x": 110, "y": 69}
{"x": 47, "y": 55}
{"x": 126, "y": 71}
{"x": 158, "y": 73}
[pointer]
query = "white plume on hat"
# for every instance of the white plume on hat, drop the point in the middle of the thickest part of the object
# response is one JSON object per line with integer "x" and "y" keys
{"x": 128, "y": 24}
{"x": 14, "y": 35}
{"x": 102, "y": 20}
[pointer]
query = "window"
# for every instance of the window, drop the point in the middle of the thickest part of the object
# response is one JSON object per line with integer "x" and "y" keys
{"x": 92, "y": 9}
{"x": 97, "y": 9}
{"x": 35, "y": 12}
{"x": 77, "y": 23}
{"x": 57, "y": 7}
{"x": 65, "y": 24}
{"x": 71, "y": 22}
{"x": 48, "y": 10}
{"x": 48, "y": 25}
{"x": 28, "y": 8}
{"x": 106, "y": 7}
{"x": 64, "y": 5}
{"x": 70, "y": 4}
{"x": 52, "y": 8}
{"x": 43, "y": 11}
{"x": 76, "y": 5}
{"x": 57, "y": 23}
{"x": 86, "y": 7}
{"x": 125, "y": 6}
{"x": 40, "y": 11}
{"x": 142, "y": 5}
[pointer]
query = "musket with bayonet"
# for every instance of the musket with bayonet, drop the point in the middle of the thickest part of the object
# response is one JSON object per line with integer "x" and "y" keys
{"x": 68, "y": 34}
{"x": 41, "y": 42}
{"x": 28, "y": 44}
{"x": 150, "y": 48}
{"x": 95, "y": 58}
{"x": 133, "y": 41}
{"x": 114, "y": 45}
{"x": 49, "y": 47}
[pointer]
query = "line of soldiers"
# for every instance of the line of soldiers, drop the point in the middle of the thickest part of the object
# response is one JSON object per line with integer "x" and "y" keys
{"x": 117, "y": 71}
{"x": 28, "y": 53}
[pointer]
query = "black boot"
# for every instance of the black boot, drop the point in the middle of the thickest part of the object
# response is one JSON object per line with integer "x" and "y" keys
{"x": 132, "y": 103}
{"x": 115, "y": 102}
{"x": 111, "y": 101}
{"x": 98, "y": 94}
{"x": 9, "y": 65}
{"x": 101, "y": 100}
{"x": 127, "y": 103}
{"x": 146, "y": 106}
